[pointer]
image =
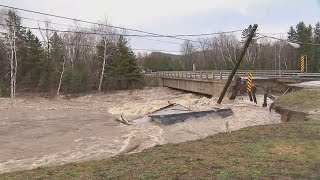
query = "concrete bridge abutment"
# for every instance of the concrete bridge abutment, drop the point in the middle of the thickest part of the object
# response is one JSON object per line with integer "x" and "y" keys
{"x": 210, "y": 87}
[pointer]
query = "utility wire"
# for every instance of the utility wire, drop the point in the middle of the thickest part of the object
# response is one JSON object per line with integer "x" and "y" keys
{"x": 128, "y": 29}
{"x": 37, "y": 20}
{"x": 273, "y": 33}
{"x": 155, "y": 50}
{"x": 179, "y": 35}
{"x": 98, "y": 45}
{"x": 206, "y": 34}
{"x": 305, "y": 43}
{"x": 89, "y": 22}
{"x": 79, "y": 32}
{"x": 109, "y": 34}
{"x": 159, "y": 40}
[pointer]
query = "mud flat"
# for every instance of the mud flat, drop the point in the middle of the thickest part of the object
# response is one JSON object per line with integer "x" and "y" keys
{"x": 42, "y": 132}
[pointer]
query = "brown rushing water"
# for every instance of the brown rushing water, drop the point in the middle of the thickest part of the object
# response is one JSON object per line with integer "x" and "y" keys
{"x": 39, "y": 132}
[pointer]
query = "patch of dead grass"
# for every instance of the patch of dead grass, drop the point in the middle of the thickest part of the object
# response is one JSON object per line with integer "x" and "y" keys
{"x": 283, "y": 149}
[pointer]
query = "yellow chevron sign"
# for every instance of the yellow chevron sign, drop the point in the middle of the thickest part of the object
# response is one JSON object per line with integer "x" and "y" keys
{"x": 302, "y": 60}
{"x": 249, "y": 85}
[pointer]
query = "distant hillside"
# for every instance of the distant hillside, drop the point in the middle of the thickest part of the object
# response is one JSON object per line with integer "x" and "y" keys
{"x": 165, "y": 55}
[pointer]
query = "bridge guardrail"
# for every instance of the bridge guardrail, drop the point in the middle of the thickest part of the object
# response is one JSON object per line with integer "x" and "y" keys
{"x": 242, "y": 73}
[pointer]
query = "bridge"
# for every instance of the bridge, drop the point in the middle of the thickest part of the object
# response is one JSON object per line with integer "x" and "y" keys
{"x": 212, "y": 82}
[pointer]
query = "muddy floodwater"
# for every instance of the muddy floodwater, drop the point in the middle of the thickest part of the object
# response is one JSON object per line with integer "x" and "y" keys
{"x": 40, "y": 132}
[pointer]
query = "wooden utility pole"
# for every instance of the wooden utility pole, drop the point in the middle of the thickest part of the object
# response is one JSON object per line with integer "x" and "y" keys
{"x": 236, "y": 67}
{"x": 265, "y": 96}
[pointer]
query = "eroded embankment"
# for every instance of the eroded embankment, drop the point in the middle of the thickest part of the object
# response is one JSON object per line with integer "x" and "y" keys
{"x": 299, "y": 106}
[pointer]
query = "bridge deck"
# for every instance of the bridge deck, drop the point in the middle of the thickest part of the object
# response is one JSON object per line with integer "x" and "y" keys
{"x": 266, "y": 74}
{"x": 212, "y": 82}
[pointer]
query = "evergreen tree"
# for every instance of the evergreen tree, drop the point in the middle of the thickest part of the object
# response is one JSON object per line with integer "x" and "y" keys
{"x": 316, "y": 36}
{"x": 32, "y": 66}
{"x": 56, "y": 60}
{"x": 4, "y": 68}
{"x": 123, "y": 68}
{"x": 13, "y": 22}
{"x": 303, "y": 34}
{"x": 292, "y": 34}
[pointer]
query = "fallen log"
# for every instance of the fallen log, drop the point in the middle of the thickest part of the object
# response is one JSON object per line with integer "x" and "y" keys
{"x": 123, "y": 121}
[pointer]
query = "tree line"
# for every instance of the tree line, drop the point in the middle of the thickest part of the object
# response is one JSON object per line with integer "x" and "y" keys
{"x": 44, "y": 60}
{"x": 220, "y": 52}
{"x": 70, "y": 62}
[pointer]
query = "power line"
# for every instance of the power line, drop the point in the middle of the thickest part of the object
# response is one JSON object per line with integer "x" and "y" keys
{"x": 179, "y": 35}
{"x": 206, "y": 34}
{"x": 155, "y": 50}
{"x": 96, "y": 33}
{"x": 78, "y": 32}
{"x": 98, "y": 45}
{"x": 305, "y": 43}
{"x": 159, "y": 40}
{"x": 280, "y": 33}
{"x": 37, "y": 20}
{"x": 129, "y": 29}
{"x": 89, "y": 22}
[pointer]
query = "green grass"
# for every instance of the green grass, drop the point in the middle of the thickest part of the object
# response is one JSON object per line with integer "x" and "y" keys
{"x": 302, "y": 101}
{"x": 225, "y": 175}
{"x": 289, "y": 150}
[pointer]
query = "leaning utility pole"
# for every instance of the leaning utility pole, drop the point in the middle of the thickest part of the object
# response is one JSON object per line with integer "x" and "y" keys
{"x": 234, "y": 70}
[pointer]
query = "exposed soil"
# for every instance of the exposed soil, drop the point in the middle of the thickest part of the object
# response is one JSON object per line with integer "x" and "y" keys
{"x": 299, "y": 106}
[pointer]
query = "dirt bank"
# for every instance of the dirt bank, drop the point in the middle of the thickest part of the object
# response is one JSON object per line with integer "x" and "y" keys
{"x": 299, "y": 106}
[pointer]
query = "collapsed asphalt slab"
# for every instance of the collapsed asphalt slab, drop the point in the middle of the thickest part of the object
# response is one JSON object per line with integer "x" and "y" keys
{"x": 175, "y": 113}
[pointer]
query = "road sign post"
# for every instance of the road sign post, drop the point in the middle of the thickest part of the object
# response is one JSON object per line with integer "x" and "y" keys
{"x": 306, "y": 57}
{"x": 249, "y": 86}
{"x": 302, "y": 64}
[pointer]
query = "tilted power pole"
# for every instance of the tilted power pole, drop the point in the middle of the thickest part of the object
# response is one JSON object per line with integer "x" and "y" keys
{"x": 236, "y": 67}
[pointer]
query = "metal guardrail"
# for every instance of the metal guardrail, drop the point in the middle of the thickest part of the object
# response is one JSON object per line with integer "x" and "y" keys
{"x": 242, "y": 73}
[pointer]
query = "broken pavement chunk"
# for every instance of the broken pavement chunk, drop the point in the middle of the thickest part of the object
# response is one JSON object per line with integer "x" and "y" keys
{"x": 174, "y": 113}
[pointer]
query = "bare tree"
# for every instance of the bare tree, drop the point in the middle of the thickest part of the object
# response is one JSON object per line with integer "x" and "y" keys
{"x": 105, "y": 57}
{"x": 204, "y": 47}
{"x": 108, "y": 42}
{"x": 46, "y": 35}
{"x": 188, "y": 50}
{"x": 13, "y": 63}
{"x": 12, "y": 24}
{"x": 61, "y": 75}
{"x": 228, "y": 45}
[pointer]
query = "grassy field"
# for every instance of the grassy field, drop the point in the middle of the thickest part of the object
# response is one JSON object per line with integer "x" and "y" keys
{"x": 282, "y": 151}
{"x": 302, "y": 101}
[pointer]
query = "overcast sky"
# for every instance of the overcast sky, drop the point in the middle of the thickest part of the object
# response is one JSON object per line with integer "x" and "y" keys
{"x": 179, "y": 16}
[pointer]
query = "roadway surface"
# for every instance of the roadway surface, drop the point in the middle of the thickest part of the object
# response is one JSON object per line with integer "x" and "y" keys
{"x": 310, "y": 84}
